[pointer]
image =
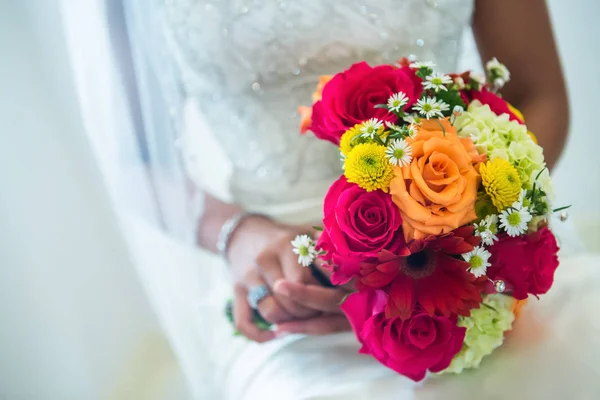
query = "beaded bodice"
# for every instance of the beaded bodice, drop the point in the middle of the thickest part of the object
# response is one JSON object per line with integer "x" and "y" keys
{"x": 250, "y": 63}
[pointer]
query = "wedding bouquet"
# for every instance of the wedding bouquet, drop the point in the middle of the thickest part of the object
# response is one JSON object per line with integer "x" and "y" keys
{"x": 440, "y": 218}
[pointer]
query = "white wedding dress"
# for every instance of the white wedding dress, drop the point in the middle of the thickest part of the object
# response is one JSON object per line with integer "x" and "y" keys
{"x": 246, "y": 66}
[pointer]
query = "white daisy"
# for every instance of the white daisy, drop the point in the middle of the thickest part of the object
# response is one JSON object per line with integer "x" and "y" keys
{"x": 514, "y": 219}
{"x": 370, "y": 128}
{"x": 399, "y": 153}
{"x": 486, "y": 229}
{"x": 411, "y": 130}
{"x": 412, "y": 119}
{"x": 497, "y": 70}
{"x": 423, "y": 64}
{"x": 437, "y": 82}
{"x": 479, "y": 261}
{"x": 393, "y": 126}
{"x": 431, "y": 108}
{"x": 523, "y": 199}
{"x": 443, "y": 106}
{"x": 304, "y": 247}
{"x": 397, "y": 101}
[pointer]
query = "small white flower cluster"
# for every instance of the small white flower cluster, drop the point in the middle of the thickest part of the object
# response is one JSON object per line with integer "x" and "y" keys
{"x": 431, "y": 107}
{"x": 479, "y": 261}
{"x": 397, "y": 102}
{"x": 497, "y": 73}
{"x": 305, "y": 248}
{"x": 486, "y": 230}
{"x": 437, "y": 82}
{"x": 515, "y": 218}
{"x": 399, "y": 152}
{"x": 370, "y": 128}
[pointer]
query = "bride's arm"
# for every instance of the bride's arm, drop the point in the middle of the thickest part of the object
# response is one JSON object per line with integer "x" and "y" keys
{"x": 519, "y": 34}
{"x": 259, "y": 253}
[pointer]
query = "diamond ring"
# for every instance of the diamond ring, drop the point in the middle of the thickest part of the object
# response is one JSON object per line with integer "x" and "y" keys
{"x": 256, "y": 294}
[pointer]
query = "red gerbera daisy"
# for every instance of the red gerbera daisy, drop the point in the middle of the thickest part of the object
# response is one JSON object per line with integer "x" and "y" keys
{"x": 427, "y": 272}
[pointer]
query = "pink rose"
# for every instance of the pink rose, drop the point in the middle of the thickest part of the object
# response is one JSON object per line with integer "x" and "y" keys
{"x": 357, "y": 226}
{"x": 525, "y": 263}
{"x": 351, "y": 96}
{"x": 410, "y": 347}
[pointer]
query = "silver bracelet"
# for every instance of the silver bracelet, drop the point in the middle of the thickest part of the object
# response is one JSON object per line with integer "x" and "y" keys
{"x": 229, "y": 228}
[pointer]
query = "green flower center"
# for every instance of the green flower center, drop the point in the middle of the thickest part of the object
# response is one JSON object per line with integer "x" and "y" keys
{"x": 369, "y": 161}
{"x": 481, "y": 229}
{"x": 427, "y": 107}
{"x": 437, "y": 81}
{"x": 303, "y": 250}
{"x": 399, "y": 153}
{"x": 514, "y": 219}
{"x": 476, "y": 262}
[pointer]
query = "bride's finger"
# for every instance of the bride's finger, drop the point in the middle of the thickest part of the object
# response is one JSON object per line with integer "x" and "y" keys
{"x": 316, "y": 326}
{"x": 242, "y": 316}
{"x": 271, "y": 271}
{"x": 268, "y": 307}
{"x": 312, "y": 296}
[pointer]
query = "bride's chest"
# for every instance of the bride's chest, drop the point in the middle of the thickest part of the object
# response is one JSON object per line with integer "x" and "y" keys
{"x": 269, "y": 40}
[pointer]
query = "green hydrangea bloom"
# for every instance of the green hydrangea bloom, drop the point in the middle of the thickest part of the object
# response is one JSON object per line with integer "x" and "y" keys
{"x": 498, "y": 137}
{"x": 485, "y": 331}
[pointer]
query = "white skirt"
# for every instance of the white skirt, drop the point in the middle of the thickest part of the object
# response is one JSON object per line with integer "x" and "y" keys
{"x": 553, "y": 351}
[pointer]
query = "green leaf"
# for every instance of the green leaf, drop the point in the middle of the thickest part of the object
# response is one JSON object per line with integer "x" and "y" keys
{"x": 378, "y": 140}
{"x": 452, "y": 98}
{"x": 257, "y": 319}
{"x": 442, "y": 126}
{"x": 539, "y": 174}
{"x": 561, "y": 208}
{"x": 318, "y": 228}
{"x": 381, "y": 106}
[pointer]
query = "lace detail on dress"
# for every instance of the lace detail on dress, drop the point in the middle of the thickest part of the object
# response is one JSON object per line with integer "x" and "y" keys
{"x": 250, "y": 64}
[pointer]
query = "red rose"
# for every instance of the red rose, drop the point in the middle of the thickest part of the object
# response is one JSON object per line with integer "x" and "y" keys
{"x": 542, "y": 250}
{"x": 497, "y": 104}
{"x": 351, "y": 96}
{"x": 525, "y": 263}
{"x": 409, "y": 347}
{"x": 357, "y": 225}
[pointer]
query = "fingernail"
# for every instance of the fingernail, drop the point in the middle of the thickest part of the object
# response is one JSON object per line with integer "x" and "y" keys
{"x": 281, "y": 288}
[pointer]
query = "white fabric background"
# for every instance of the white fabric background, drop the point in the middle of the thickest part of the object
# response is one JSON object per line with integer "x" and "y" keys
{"x": 74, "y": 322}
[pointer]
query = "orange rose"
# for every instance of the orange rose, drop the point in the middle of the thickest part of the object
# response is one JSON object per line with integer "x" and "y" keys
{"x": 436, "y": 193}
{"x": 306, "y": 112}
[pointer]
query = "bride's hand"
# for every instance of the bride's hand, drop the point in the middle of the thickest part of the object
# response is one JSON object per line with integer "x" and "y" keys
{"x": 326, "y": 300}
{"x": 260, "y": 253}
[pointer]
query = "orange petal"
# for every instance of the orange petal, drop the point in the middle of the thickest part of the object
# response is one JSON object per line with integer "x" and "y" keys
{"x": 305, "y": 118}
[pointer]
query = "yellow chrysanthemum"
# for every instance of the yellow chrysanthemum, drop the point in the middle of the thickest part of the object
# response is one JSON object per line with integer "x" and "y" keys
{"x": 367, "y": 166}
{"x": 347, "y": 142}
{"x": 501, "y": 182}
